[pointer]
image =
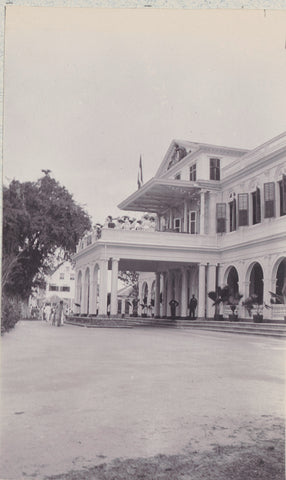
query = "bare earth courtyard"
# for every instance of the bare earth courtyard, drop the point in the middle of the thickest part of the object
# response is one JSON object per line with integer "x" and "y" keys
{"x": 81, "y": 403}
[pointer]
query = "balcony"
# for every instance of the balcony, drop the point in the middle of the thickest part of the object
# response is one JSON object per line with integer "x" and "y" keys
{"x": 148, "y": 238}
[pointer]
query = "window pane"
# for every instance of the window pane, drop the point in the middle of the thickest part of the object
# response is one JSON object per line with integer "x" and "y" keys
{"x": 242, "y": 201}
{"x": 221, "y": 210}
{"x": 269, "y": 192}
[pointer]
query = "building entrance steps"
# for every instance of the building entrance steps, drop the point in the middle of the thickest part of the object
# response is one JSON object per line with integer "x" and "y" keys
{"x": 249, "y": 328}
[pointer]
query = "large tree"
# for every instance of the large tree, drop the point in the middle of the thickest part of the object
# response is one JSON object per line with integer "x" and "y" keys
{"x": 39, "y": 219}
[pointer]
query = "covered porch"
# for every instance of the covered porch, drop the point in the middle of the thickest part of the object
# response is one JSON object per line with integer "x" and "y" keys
{"x": 176, "y": 274}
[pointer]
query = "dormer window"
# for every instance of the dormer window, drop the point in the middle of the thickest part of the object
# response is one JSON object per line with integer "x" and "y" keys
{"x": 214, "y": 169}
{"x": 178, "y": 176}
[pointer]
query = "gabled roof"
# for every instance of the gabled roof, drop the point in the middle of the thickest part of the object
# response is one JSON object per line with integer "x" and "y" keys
{"x": 192, "y": 149}
{"x": 163, "y": 192}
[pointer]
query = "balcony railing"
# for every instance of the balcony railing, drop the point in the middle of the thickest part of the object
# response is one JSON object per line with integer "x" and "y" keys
{"x": 147, "y": 237}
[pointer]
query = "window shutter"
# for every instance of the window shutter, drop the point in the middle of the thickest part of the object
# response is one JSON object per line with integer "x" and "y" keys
{"x": 283, "y": 194}
{"x": 221, "y": 217}
{"x": 242, "y": 209}
{"x": 269, "y": 200}
{"x": 258, "y": 206}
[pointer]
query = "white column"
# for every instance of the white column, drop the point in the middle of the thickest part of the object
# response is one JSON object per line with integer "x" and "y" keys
{"x": 202, "y": 290}
{"x": 157, "y": 295}
{"x": 212, "y": 214}
{"x": 211, "y": 277}
{"x": 177, "y": 289}
{"x": 169, "y": 292}
{"x": 184, "y": 294}
{"x": 83, "y": 294}
{"x": 245, "y": 292}
{"x": 164, "y": 294}
{"x": 123, "y": 306}
{"x": 103, "y": 287}
{"x": 93, "y": 292}
{"x": 171, "y": 220}
{"x": 114, "y": 281}
{"x": 219, "y": 284}
{"x": 185, "y": 226}
{"x": 202, "y": 213}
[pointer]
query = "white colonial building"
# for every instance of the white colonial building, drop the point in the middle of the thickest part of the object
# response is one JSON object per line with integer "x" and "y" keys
{"x": 221, "y": 219}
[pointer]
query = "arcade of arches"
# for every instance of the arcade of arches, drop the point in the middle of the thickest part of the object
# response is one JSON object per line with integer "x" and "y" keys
{"x": 179, "y": 283}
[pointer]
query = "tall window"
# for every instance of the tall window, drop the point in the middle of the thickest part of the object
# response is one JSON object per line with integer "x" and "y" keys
{"x": 214, "y": 169}
{"x": 193, "y": 172}
{"x": 269, "y": 199}
{"x": 232, "y": 215}
{"x": 256, "y": 207}
{"x": 221, "y": 217}
{"x": 282, "y": 192}
{"x": 242, "y": 209}
{"x": 192, "y": 222}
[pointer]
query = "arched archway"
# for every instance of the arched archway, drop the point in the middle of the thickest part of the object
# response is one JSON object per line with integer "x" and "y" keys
{"x": 144, "y": 293}
{"x": 79, "y": 291}
{"x": 86, "y": 291}
{"x": 94, "y": 290}
{"x": 153, "y": 293}
{"x": 256, "y": 282}
{"x": 232, "y": 281}
{"x": 280, "y": 281}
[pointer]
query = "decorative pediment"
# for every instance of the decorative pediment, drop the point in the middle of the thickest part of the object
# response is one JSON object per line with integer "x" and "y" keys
{"x": 176, "y": 152}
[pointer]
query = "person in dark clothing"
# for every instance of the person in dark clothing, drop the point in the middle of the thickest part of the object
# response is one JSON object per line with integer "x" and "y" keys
{"x": 192, "y": 306}
{"x": 173, "y": 305}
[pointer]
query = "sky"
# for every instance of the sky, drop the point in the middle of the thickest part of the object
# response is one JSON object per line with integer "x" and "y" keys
{"x": 88, "y": 90}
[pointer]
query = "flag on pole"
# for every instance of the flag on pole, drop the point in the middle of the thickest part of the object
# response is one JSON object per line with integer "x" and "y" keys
{"x": 140, "y": 174}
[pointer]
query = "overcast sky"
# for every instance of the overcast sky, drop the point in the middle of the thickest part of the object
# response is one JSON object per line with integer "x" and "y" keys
{"x": 86, "y": 91}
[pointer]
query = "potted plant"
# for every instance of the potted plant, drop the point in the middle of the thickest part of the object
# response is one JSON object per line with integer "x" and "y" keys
{"x": 254, "y": 308}
{"x": 224, "y": 296}
{"x": 233, "y": 301}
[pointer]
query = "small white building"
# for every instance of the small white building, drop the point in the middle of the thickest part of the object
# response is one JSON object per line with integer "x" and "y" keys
{"x": 221, "y": 220}
{"x": 61, "y": 284}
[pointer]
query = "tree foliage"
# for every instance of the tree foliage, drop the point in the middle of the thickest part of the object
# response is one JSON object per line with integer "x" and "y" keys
{"x": 130, "y": 278}
{"x": 39, "y": 218}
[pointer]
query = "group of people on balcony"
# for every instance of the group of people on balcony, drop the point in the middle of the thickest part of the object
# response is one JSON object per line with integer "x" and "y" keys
{"x": 147, "y": 222}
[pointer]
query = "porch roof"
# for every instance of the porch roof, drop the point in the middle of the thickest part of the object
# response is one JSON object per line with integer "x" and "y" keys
{"x": 158, "y": 194}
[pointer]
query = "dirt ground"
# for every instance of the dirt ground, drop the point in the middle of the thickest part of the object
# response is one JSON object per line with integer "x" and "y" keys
{"x": 222, "y": 463}
{"x": 103, "y": 404}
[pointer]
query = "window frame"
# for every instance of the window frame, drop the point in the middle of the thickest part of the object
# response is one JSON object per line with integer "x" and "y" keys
{"x": 221, "y": 217}
{"x": 193, "y": 172}
{"x": 269, "y": 203}
{"x": 256, "y": 206}
{"x": 179, "y": 228}
{"x": 192, "y": 222}
{"x": 215, "y": 168}
{"x": 243, "y": 213}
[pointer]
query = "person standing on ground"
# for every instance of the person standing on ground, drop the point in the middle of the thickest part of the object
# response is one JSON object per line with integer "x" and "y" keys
{"x": 173, "y": 304}
{"x": 192, "y": 306}
{"x": 60, "y": 313}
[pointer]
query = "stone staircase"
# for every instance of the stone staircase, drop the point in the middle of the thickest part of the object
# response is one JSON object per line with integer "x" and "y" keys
{"x": 246, "y": 328}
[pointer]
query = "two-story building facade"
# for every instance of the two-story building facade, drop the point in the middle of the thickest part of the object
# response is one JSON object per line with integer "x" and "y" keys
{"x": 220, "y": 219}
